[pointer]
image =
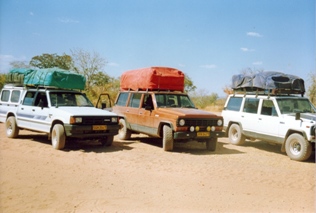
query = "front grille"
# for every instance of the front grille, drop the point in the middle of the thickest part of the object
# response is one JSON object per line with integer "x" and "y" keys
{"x": 199, "y": 122}
{"x": 93, "y": 120}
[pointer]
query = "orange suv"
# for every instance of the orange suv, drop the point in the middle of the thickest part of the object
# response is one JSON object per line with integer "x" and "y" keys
{"x": 169, "y": 115}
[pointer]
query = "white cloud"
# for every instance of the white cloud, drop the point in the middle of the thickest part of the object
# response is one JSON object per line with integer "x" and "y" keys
{"x": 31, "y": 13}
{"x": 181, "y": 65}
{"x": 113, "y": 64}
{"x": 68, "y": 21}
{"x": 254, "y": 34}
{"x": 257, "y": 63}
{"x": 245, "y": 49}
{"x": 208, "y": 66}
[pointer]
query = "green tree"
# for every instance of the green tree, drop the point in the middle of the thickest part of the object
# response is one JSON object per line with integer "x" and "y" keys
{"x": 202, "y": 99}
{"x": 52, "y": 60}
{"x": 188, "y": 84}
{"x": 88, "y": 64}
{"x": 2, "y": 80}
{"x": 312, "y": 88}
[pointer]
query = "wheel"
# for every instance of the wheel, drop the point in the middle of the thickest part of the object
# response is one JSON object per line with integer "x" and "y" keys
{"x": 58, "y": 137}
{"x": 167, "y": 140}
{"x": 107, "y": 141}
{"x": 235, "y": 135}
{"x": 297, "y": 148}
{"x": 12, "y": 128}
{"x": 124, "y": 133}
{"x": 211, "y": 144}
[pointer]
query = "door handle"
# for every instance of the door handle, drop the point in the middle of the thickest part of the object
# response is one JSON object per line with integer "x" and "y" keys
{"x": 33, "y": 110}
{"x": 260, "y": 119}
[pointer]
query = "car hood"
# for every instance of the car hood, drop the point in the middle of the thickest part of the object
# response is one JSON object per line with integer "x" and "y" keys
{"x": 85, "y": 111}
{"x": 187, "y": 112}
{"x": 305, "y": 116}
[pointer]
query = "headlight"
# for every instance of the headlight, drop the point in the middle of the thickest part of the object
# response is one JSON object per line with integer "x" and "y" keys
{"x": 114, "y": 119}
{"x": 75, "y": 120}
{"x": 181, "y": 122}
{"x": 219, "y": 123}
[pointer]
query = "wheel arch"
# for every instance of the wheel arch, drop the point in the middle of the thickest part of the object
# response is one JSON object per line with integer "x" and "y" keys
{"x": 160, "y": 127}
{"x": 229, "y": 125}
{"x": 52, "y": 126}
{"x": 290, "y": 132}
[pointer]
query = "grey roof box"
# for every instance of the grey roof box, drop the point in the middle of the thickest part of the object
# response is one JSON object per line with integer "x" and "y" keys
{"x": 277, "y": 82}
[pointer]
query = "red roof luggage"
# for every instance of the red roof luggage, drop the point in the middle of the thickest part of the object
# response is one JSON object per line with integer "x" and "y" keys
{"x": 153, "y": 78}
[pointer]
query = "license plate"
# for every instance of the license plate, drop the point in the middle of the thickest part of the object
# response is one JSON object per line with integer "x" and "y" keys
{"x": 203, "y": 134}
{"x": 99, "y": 127}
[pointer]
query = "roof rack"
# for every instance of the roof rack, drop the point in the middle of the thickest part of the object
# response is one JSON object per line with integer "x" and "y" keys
{"x": 151, "y": 90}
{"x": 274, "y": 92}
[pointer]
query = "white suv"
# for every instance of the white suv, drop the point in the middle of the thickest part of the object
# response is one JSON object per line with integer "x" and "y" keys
{"x": 288, "y": 120}
{"x": 60, "y": 113}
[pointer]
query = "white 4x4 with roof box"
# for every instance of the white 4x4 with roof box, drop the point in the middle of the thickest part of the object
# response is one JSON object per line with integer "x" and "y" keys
{"x": 49, "y": 101}
{"x": 270, "y": 106}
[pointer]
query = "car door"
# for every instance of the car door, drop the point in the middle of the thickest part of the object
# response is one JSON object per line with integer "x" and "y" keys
{"x": 249, "y": 116}
{"x": 146, "y": 116}
{"x": 32, "y": 115}
{"x": 268, "y": 119}
{"x": 132, "y": 110}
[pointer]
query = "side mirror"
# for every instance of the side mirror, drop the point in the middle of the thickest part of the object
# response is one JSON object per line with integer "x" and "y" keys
{"x": 297, "y": 116}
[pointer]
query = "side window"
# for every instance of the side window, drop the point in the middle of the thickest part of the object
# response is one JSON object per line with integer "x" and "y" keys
{"x": 251, "y": 105}
{"x": 135, "y": 100}
{"x": 15, "y": 96}
{"x": 172, "y": 100}
{"x": 5, "y": 95}
{"x": 41, "y": 100}
{"x": 268, "y": 108}
{"x": 29, "y": 97}
{"x": 121, "y": 101}
{"x": 234, "y": 103}
{"x": 148, "y": 101}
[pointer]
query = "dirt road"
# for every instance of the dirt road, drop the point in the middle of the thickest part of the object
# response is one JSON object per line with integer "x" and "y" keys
{"x": 137, "y": 176}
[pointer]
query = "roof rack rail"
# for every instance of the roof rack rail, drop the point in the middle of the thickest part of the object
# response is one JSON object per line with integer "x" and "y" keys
{"x": 257, "y": 91}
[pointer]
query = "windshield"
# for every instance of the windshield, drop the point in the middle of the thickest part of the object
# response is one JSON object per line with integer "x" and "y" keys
{"x": 294, "y": 105}
{"x": 174, "y": 100}
{"x": 69, "y": 99}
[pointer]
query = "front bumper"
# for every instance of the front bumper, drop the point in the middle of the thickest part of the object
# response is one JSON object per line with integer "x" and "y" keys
{"x": 193, "y": 135}
{"x": 86, "y": 131}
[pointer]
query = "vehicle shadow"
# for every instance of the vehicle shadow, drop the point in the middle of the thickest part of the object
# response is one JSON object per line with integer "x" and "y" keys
{"x": 79, "y": 145}
{"x": 274, "y": 148}
{"x": 95, "y": 146}
{"x": 190, "y": 147}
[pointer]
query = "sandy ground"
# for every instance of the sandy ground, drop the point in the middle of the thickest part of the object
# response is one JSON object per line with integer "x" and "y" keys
{"x": 137, "y": 176}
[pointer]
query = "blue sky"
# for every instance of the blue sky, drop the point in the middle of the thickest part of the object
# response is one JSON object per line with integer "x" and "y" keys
{"x": 209, "y": 40}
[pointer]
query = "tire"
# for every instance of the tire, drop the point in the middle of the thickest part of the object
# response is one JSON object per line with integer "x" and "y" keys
{"x": 167, "y": 138}
{"x": 11, "y": 127}
{"x": 297, "y": 147}
{"x": 58, "y": 137}
{"x": 107, "y": 141}
{"x": 235, "y": 135}
{"x": 124, "y": 133}
{"x": 211, "y": 144}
